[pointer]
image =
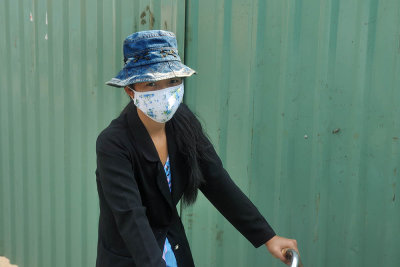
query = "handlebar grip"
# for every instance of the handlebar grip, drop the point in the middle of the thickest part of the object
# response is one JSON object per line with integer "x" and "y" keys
{"x": 293, "y": 257}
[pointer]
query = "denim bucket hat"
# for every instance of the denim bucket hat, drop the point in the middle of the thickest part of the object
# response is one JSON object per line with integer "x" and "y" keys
{"x": 150, "y": 56}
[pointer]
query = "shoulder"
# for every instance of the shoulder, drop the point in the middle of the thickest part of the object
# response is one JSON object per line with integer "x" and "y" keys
{"x": 114, "y": 136}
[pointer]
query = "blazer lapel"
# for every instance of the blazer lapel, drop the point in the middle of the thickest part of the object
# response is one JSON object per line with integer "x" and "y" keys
{"x": 146, "y": 146}
{"x": 176, "y": 164}
{"x": 140, "y": 135}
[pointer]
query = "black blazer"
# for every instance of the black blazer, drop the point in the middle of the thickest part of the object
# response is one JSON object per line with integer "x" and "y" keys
{"x": 137, "y": 210}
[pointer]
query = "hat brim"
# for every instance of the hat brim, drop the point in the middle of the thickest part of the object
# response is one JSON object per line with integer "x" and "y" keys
{"x": 150, "y": 73}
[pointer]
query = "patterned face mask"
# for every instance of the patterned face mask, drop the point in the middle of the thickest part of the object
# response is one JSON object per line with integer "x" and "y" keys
{"x": 159, "y": 105}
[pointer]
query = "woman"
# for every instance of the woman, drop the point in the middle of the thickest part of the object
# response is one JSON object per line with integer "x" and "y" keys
{"x": 156, "y": 153}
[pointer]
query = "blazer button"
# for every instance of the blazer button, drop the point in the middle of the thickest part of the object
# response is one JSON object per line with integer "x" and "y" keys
{"x": 176, "y": 247}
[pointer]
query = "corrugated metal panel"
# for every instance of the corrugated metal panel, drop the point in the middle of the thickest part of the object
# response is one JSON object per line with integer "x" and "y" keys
{"x": 275, "y": 80}
{"x": 55, "y": 58}
{"x": 301, "y": 98}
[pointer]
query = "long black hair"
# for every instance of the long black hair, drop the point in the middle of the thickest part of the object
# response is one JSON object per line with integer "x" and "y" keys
{"x": 193, "y": 144}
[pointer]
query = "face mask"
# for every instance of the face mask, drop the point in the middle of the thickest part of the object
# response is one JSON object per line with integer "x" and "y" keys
{"x": 159, "y": 105}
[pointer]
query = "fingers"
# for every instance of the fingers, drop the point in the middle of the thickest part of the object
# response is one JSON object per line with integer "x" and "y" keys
{"x": 294, "y": 245}
{"x": 291, "y": 243}
{"x": 282, "y": 257}
{"x": 278, "y": 247}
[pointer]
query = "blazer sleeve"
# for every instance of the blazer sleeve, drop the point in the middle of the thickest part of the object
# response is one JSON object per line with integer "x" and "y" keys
{"x": 122, "y": 195}
{"x": 231, "y": 202}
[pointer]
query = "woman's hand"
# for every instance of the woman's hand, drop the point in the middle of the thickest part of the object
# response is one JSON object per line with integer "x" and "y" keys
{"x": 277, "y": 246}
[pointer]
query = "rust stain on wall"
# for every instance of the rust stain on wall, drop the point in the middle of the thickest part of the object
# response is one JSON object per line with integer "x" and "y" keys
{"x": 219, "y": 237}
{"x": 147, "y": 13}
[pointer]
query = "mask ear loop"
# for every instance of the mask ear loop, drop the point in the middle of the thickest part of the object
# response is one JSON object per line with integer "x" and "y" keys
{"x": 133, "y": 90}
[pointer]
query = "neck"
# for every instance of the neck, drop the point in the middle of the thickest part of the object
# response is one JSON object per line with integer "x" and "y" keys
{"x": 152, "y": 127}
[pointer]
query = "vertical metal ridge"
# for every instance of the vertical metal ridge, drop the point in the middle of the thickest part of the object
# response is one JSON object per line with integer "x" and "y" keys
{"x": 5, "y": 139}
{"x": 84, "y": 129}
{"x": 76, "y": 67}
{"x": 16, "y": 123}
{"x": 117, "y": 36}
{"x": 333, "y": 31}
{"x": 369, "y": 71}
{"x": 184, "y": 41}
{"x": 3, "y": 133}
{"x": 223, "y": 121}
{"x": 49, "y": 30}
{"x": 279, "y": 130}
{"x": 191, "y": 32}
{"x": 185, "y": 31}
{"x": 44, "y": 125}
{"x": 100, "y": 69}
{"x": 32, "y": 205}
{"x": 67, "y": 125}
{"x": 256, "y": 8}
{"x": 11, "y": 155}
{"x": 326, "y": 190}
{"x": 251, "y": 83}
{"x": 23, "y": 162}
{"x": 317, "y": 194}
{"x": 357, "y": 177}
{"x": 37, "y": 143}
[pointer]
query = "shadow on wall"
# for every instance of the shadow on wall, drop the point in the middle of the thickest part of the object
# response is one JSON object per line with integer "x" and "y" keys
{"x": 4, "y": 262}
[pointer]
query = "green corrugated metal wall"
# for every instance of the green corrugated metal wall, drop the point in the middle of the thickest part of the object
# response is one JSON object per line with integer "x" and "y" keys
{"x": 301, "y": 99}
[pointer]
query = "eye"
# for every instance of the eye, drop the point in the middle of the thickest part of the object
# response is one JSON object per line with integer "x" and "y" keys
{"x": 152, "y": 84}
{"x": 174, "y": 81}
